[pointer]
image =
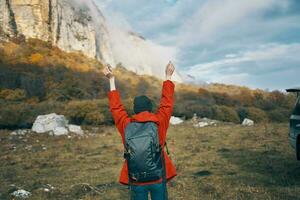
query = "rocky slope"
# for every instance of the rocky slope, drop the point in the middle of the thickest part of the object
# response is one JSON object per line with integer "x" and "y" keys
{"x": 63, "y": 23}
{"x": 77, "y": 25}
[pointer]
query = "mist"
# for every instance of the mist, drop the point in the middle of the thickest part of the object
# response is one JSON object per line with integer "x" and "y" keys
{"x": 134, "y": 52}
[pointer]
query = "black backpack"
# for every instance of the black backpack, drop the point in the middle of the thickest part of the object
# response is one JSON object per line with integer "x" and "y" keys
{"x": 143, "y": 152}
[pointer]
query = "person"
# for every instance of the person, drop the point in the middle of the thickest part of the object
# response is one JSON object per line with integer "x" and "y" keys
{"x": 142, "y": 107}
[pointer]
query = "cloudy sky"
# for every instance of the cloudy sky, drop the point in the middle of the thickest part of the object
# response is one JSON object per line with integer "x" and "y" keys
{"x": 253, "y": 43}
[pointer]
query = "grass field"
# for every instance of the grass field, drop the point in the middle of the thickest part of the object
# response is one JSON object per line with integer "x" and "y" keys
{"x": 223, "y": 162}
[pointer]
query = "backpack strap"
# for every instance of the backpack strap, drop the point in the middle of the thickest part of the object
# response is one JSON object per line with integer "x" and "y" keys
{"x": 129, "y": 180}
{"x": 166, "y": 145}
{"x": 164, "y": 177}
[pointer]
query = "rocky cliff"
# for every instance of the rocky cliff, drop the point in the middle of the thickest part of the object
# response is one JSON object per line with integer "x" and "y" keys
{"x": 78, "y": 25}
{"x": 64, "y": 23}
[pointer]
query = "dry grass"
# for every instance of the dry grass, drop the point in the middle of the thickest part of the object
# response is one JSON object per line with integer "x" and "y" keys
{"x": 225, "y": 162}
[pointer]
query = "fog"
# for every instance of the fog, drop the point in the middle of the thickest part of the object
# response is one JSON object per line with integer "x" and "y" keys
{"x": 134, "y": 52}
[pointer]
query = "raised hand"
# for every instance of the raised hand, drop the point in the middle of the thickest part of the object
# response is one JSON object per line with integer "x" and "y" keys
{"x": 169, "y": 70}
{"x": 107, "y": 71}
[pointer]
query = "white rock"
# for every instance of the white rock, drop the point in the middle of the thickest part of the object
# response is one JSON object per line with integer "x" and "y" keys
{"x": 19, "y": 132}
{"x": 28, "y": 147}
{"x": 248, "y": 122}
{"x": 50, "y": 122}
{"x": 202, "y": 124}
{"x": 75, "y": 129}
{"x": 23, "y": 194}
{"x": 205, "y": 122}
{"x": 175, "y": 120}
{"x": 57, "y": 131}
{"x": 50, "y": 186}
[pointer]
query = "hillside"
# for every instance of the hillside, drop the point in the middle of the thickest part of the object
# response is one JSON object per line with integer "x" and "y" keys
{"x": 37, "y": 78}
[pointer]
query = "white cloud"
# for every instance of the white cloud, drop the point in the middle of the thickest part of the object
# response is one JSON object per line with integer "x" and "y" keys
{"x": 221, "y": 40}
{"x": 214, "y": 17}
{"x": 236, "y": 68}
{"x": 265, "y": 52}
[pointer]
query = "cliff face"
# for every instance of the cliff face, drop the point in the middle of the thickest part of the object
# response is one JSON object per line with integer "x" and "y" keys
{"x": 64, "y": 23}
{"x": 78, "y": 25}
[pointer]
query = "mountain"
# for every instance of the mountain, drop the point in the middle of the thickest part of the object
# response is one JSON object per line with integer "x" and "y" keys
{"x": 78, "y": 25}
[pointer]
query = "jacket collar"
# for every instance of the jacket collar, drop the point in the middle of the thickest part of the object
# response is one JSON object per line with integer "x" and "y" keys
{"x": 144, "y": 117}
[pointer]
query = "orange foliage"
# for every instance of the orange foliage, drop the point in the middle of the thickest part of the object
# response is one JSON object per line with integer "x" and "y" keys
{"x": 35, "y": 58}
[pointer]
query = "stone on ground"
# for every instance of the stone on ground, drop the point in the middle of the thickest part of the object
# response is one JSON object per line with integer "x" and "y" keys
{"x": 19, "y": 132}
{"x": 75, "y": 129}
{"x": 248, "y": 122}
{"x": 175, "y": 120}
{"x": 22, "y": 194}
{"x": 57, "y": 131}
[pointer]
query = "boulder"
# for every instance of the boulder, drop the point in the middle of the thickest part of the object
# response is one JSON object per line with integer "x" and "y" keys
{"x": 55, "y": 125}
{"x": 75, "y": 129}
{"x": 175, "y": 120}
{"x": 248, "y": 122}
{"x": 45, "y": 123}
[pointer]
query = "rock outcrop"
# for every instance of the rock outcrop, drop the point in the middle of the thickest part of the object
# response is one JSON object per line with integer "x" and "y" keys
{"x": 78, "y": 25}
{"x": 67, "y": 24}
{"x": 50, "y": 123}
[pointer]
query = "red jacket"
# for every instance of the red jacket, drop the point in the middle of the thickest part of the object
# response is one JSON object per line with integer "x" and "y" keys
{"x": 161, "y": 118}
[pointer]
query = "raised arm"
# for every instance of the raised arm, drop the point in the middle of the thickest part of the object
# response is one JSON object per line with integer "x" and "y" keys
{"x": 165, "y": 109}
{"x": 116, "y": 107}
{"x": 107, "y": 71}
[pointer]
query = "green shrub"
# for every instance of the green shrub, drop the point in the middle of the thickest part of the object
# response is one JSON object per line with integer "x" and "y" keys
{"x": 279, "y": 115}
{"x": 22, "y": 115}
{"x": 76, "y": 111}
{"x": 94, "y": 118}
{"x": 255, "y": 114}
{"x": 200, "y": 110}
{"x": 226, "y": 114}
{"x": 184, "y": 109}
{"x": 87, "y": 112}
{"x": 15, "y": 116}
{"x": 12, "y": 95}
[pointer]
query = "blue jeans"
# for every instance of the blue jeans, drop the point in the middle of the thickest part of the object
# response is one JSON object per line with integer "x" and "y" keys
{"x": 157, "y": 191}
